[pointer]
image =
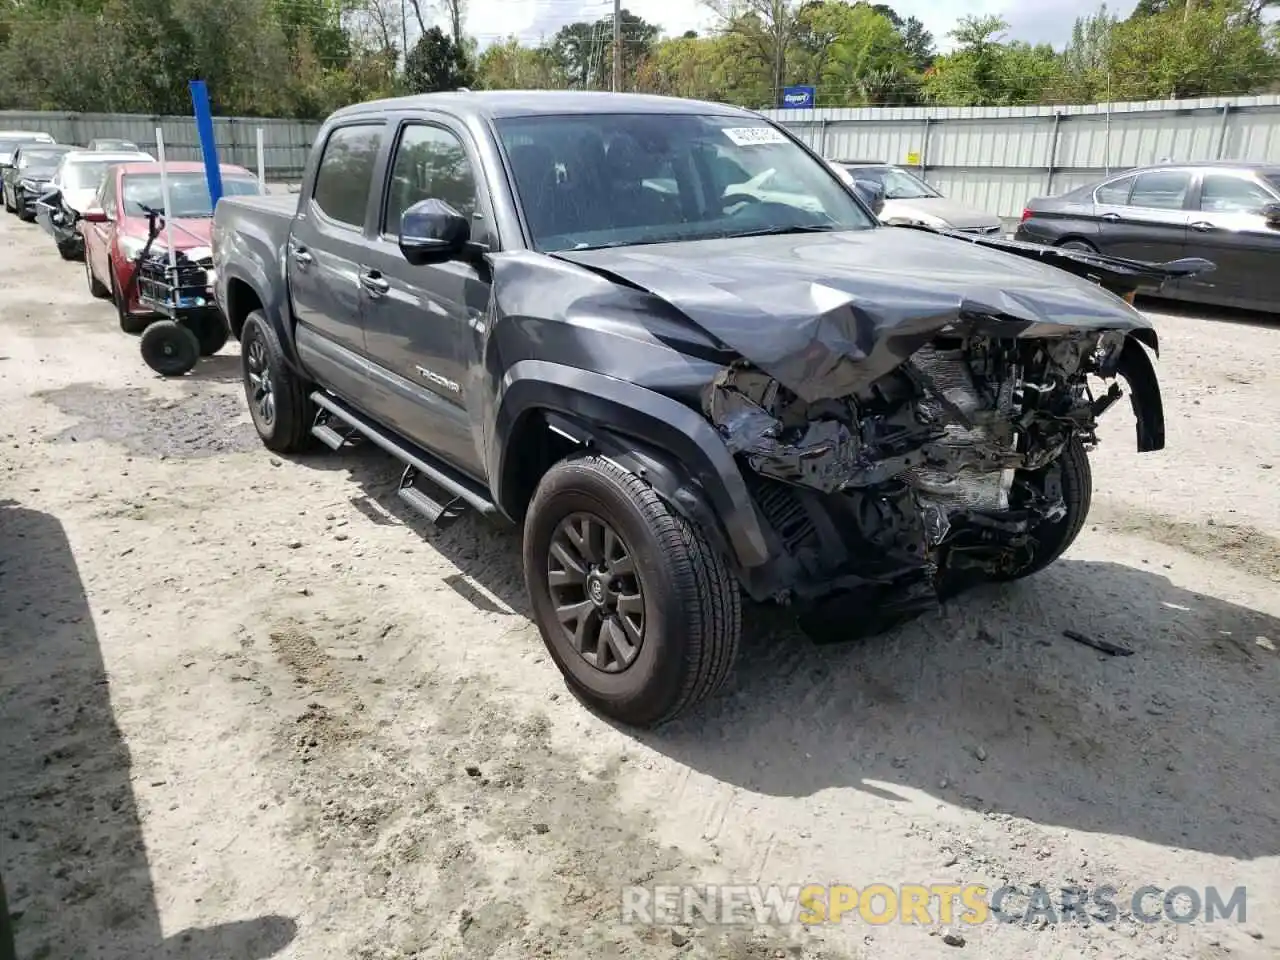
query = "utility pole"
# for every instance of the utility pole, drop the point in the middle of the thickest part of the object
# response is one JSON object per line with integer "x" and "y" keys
{"x": 404, "y": 34}
{"x": 617, "y": 45}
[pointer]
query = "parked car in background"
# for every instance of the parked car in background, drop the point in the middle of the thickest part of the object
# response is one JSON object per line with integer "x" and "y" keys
{"x": 72, "y": 190}
{"x": 909, "y": 200}
{"x": 10, "y": 140}
{"x": 114, "y": 226}
{"x": 108, "y": 145}
{"x": 1228, "y": 213}
{"x": 28, "y": 178}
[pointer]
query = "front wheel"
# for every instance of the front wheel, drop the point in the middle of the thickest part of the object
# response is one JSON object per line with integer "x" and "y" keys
{"x": 278, "y": 402}
{"x": 96, "y": 287}
{"x": 128, "y": 322}
{"x": 1053, "y": 537}
{"x": 637, "y": 609}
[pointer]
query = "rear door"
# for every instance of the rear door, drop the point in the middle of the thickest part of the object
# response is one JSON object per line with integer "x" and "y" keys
{"x": 1151, "y": 224}
{"x": 324, "y": 251}
{"x": 417, "y": 318}
{"x": 1228, "y": 228}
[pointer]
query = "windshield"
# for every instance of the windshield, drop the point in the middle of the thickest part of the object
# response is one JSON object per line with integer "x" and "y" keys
{"x": 897, "y": 183}
{"x": 46, "y": 159}
{"x": 84, "y": 176}
{"x": 601, "y": 180}
{"x": 105, "y": 145}
{"x": 188, "y": 193}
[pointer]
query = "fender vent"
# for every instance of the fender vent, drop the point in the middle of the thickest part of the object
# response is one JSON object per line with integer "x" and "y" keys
{"x": 782, "y": 508}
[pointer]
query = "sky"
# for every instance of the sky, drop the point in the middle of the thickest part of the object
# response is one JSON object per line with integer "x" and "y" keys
{"x": 1035, "y": 21}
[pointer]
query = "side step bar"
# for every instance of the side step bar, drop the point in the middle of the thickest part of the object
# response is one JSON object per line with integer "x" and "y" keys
{"x": 418, "y": 463}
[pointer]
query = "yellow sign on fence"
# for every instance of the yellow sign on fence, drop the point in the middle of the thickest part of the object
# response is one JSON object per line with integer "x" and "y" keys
{"x": 913, "y": 159}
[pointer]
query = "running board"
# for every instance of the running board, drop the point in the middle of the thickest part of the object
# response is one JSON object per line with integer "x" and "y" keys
{"x": 418, "y": 463}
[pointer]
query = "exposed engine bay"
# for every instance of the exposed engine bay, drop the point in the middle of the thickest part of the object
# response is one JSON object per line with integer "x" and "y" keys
{"x": 948, "y": 468}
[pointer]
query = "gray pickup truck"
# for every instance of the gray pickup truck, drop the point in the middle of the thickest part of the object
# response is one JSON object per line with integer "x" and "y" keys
{"x": 666, "y": 337}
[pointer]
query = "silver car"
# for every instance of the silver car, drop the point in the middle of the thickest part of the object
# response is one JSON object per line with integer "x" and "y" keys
{"x": 909, "y": 200}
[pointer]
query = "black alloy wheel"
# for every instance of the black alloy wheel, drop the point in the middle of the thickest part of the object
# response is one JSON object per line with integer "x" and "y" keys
{"x": 597, "y": 592}
{"x": 258, "y": 383}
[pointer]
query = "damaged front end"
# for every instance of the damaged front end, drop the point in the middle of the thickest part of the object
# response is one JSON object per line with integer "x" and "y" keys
{"x": 955, "y": 466}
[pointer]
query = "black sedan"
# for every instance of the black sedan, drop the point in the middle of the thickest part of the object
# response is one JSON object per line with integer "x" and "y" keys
{"x": 28, "y": 179}
{"x": 1228, "y": 213}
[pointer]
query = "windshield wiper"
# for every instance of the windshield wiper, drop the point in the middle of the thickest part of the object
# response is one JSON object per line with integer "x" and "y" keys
{"x": 781, "y": 231}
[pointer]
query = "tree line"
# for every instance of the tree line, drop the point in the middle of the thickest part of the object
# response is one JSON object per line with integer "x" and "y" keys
{"x": 304, "y": 58}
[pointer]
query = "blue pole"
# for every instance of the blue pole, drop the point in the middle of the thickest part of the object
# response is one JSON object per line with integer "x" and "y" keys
{"x": 204, "y": 129}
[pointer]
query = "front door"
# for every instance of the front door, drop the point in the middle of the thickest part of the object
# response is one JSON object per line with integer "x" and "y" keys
{"x": 323, "y": 256}
{"x": 1229, "y": 230}
{"x": 98, "y": 236}
{"x": 1152, "y": 225}
{"x": 417, "y": 318}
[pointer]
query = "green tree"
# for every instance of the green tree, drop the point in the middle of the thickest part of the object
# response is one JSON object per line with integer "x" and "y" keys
{"x": 585, "y": 50}
{"x": 437, "y": 64}
{"x": 511, "y": 66}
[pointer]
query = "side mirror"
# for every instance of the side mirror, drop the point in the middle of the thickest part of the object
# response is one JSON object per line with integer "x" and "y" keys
{"x": 872, "y": 194}
{"x": 1271, "y": 213}
{"x": 431, "y": 231}
{"x": 94, "y": 215}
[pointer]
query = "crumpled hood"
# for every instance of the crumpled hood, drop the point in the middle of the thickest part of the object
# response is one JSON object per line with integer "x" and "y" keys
{"x": 949, "y": 211}
{"x": 828, "y": 314}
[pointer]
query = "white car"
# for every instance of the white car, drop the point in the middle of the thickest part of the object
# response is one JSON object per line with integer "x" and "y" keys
{"x": 72, "y": 190}
{"x": 909, "y": 200}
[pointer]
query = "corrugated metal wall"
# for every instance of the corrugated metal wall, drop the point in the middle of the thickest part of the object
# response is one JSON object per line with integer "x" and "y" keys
{"x": 996, "y": 158}
{"x": 286, "y": 143}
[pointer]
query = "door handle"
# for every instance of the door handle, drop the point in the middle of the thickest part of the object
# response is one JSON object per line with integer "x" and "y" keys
{"x": 375, "y": 283}
{"x": 1111, "y": 217}
{"x": 1204, "y": 226}
{"x": 302, "y": 258}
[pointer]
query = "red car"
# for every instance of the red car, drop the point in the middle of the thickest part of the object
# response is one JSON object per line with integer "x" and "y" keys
{"x": 115, "y": 226}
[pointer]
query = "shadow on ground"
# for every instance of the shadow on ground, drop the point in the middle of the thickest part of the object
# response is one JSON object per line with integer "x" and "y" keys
{"x": 1201, "y": 311}
{"x": 1139, "y": 745}
{"x": 71, "y": 847}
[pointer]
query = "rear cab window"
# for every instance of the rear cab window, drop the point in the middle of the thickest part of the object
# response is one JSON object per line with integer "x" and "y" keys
{"x": 344, "y": 177}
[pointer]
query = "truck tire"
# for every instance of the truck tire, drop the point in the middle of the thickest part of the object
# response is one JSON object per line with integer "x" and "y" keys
{"x": 1055, "y": 536}
{"x": 637, "y": 609}
{"x": 282, "y": 411}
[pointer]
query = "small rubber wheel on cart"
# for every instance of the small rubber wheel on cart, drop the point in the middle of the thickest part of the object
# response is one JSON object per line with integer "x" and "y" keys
{"x": 636, "y": 607}
{"x": 211, "y": 332}
{"x": 279, "y": 400}
{"x": 97, "y": 288}
{"x": 169, "y": 348}
{"x": 128, "y": 322}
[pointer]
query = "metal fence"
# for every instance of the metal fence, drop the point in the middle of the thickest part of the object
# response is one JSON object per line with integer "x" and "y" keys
{"x": 286, "y": 143}
{"x": 996, "y": 158}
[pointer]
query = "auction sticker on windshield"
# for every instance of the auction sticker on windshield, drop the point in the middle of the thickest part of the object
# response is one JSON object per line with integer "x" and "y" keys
{"x": 751, "y": 136}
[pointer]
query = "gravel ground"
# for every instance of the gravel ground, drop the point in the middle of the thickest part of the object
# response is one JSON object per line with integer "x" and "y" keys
{"x": 251, "y": 707}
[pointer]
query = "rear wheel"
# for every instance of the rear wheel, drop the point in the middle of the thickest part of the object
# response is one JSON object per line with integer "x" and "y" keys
{"x": 278, "y": 402}
{"x": 637, "y": 609}
{"x": 169, "y": 348}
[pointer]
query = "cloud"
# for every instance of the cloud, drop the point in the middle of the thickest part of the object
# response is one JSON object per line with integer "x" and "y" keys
{"x": 1035, "y": 21}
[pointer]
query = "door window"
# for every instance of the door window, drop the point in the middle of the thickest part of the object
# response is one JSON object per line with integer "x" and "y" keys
{"x": 107, "y": 196}
{"x": 345, "y": 175}
{"x": 1115, "y": 193}
{"x": 1221, "y": 193}
{"x": 1165, "y": 190}
{"x": 430, "y": 163}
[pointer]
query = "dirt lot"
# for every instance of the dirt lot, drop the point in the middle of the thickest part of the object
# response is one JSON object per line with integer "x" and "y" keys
{"x": 251, "y": 707}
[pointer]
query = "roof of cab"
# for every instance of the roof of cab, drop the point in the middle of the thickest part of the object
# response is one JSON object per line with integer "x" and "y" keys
{"x": 495, "y": 104}
{"x": 107, "y": 156}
